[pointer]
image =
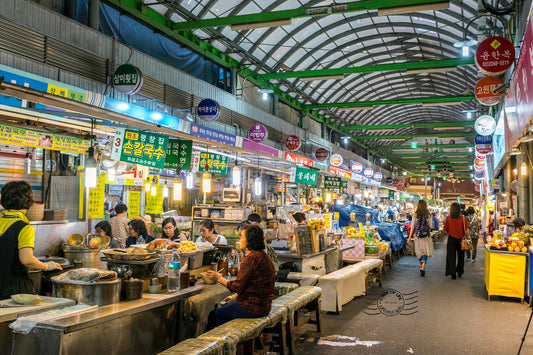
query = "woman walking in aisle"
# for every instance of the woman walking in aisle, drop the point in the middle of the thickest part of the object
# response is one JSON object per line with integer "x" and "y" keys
{"x": 457, "y": 228}
{"x": 421, "y": 231}
{"x": 474, "y": 226}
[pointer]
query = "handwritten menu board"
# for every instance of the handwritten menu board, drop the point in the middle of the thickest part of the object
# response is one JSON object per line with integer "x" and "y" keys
{"x": 97, "y": 198}
{"x": 154, "y": 204}
{"x": 134, "y": 204}
{"x": 305, "y": 245}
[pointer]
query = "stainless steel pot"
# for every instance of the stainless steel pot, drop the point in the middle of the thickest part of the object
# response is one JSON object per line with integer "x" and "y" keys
{"x": 92, "y": 293}
{"x": 89, "y": 258}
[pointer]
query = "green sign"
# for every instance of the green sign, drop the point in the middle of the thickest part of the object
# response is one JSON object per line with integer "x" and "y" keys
{"x": 304, "y": 176}
{"x": 142, "y": 148}
{"x": 178, "y": 154}
{"x": 416, "y": 197}
{"x": 391, "y": 194}
{"x": 127, "y": 79}
{"x": 216, "y": 163}
{"x": 414, "y": 144}
{"x": 344, "y": 189}
{"x": 332, "y": 183}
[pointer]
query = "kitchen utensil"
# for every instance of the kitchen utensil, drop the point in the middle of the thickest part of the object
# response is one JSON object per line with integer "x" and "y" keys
{"x": 89, "y": 258}
{"x": 100, "y": 242}
{"x": 124, "y": 255}
{"x": 99, "y": 293}
{"x": 132, "y": 289}
{"x": 207, "y": 280}
{"x": 75, "y": 240}
{"x": 36, "y": 278}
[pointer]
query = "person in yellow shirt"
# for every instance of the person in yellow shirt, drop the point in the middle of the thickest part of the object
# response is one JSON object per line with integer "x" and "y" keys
{"x": 17, "y": 240}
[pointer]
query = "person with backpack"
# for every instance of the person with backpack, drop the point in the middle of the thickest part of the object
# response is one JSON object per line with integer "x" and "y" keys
{"x": 475, "y": 226}
{"x": 421, "y": 234}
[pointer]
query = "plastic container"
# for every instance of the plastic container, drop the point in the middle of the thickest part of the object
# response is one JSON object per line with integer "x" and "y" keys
{"x": 174, "y": 272}
{"x": 140, "y": 240}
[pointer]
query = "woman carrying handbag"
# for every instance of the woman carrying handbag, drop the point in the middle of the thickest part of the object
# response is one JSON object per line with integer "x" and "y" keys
{"x": 421, "y": 233}
{"x": 457, "y": 228}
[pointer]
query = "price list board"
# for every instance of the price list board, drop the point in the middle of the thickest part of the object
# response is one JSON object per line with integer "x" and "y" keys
{"x": 305, "y": 245}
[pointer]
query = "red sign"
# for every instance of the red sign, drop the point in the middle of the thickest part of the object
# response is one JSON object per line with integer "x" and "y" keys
{"x": 299, "y": 159}
{"x": 340, "y": 172}
{"x": 378, "y": 176}
{"x": 483, "y": 148}
{"x": 479, "y": 162}
{"x": 481, "y": 156}
{"x": 293, "y": 142}
{"x": 336, "y": 160}
{"x": 495, "y": 55}
{"x": 357, "y": 167}
{"x": 368, "y": 172}
{"x": 485, "y": 88}
{"x": 321, "y": 154}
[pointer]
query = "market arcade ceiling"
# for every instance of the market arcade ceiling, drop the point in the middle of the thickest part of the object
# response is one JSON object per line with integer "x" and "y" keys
{"x": 383, "y": 73}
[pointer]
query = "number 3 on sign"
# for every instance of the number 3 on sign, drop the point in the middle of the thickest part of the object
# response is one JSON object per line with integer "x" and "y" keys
{"x": 118, "y": 141}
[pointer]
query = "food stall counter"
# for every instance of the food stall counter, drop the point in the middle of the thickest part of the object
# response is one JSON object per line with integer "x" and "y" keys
{"x": 143, "y": 326}
{"x": 505, "y": 273}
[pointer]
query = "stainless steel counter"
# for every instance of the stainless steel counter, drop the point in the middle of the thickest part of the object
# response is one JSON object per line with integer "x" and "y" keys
{"x": 144, "y": 326}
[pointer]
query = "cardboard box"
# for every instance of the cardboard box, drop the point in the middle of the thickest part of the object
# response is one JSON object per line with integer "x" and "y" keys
{"x": 358, "y": 250}
{"x": 316, "y": 237}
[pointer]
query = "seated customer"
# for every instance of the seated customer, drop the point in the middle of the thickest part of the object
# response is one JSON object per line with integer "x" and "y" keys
{"x": 209, "y": 235}
{"x": 171, "y": 231}
{"x": 137, "y": 229}
{"x": 254, "y": 284}
{"x": 102, "y": 229}
{"x": 256, "y": 219}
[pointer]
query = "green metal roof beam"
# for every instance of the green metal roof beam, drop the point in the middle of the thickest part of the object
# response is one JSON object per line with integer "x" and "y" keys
{"x": 422, "y": 135}
{"x": 414, "y": 160}
{"x": 302, "y": 12}
{"x": 415, "y": 100}
{"x": 395, "y": 147}
{"x": 394, "y": 155}
{"x": 409, "y": 125}
{"x": 372, "y": 68}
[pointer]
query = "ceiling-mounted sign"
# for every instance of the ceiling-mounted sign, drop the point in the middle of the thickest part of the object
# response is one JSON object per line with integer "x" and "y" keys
{"x": 481, "y": 156}
{"x": 478, "y": 174}
{"x": 128, "y": 79}
{"x": 388, "y": 180}
{"x": 215, "y": 163}
{"x": 292, "y": 142}
{"x": 378, "y": 176}
{"x": 321, "y": 154}
{"x": 179, "y": 153}
{"x": 336, "y": 160}
{"x": 368, "y": 172}
{"x": 357, "y": 167}
{"x": 495, "y": 55}
{"x": 208, "y": 110}
{"x": 298, "y": 159}
{"x": 485, "y": 125}
{"x": 485, "y": 90}
{"x": 332, "y": 183}
{"x": 258, "y": 133}
{"x": 304, "y": 176}
{"x": 483, "y": 144}
{"x": 140, "y": 148}
{"x": 479, "y": 162}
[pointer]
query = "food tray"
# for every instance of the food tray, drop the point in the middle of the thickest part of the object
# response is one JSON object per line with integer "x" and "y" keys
{"x": 112, "y": 254}
{"x": 130, "y": 262}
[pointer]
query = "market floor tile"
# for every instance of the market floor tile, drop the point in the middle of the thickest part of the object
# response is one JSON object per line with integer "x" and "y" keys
{"x": 438, "y": 315}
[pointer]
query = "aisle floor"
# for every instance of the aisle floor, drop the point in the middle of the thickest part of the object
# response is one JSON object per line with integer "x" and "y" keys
{"x": 448, "y": 316}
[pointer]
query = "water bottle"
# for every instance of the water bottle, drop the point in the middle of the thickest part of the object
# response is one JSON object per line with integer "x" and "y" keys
{"x": 174, "y": 272}
{"x": 140, "y": 240}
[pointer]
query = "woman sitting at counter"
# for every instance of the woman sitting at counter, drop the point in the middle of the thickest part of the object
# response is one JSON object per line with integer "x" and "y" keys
{"x": 254, "y": 285}
{"x": 209, "y": 235}
{"x": 17, "y": 239}
{"x": 136, "y": 229}
{"x": 102, "y": 229}
{"x": 171, "y": 231}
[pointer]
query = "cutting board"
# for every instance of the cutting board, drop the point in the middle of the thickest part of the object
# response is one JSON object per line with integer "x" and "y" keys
{"x": 8, "y": 314}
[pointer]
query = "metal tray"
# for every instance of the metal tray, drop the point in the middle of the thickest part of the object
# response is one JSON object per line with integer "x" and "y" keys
{"x": 130, "y": 262}
{"x": 109, "y": 254}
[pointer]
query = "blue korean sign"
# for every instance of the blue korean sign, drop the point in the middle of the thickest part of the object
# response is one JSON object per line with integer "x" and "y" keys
{"x": 213, "y": 134}
{"x": 388, "y": 180}
{"x": 483, "y": 139}
{"x": 208, "y": 110}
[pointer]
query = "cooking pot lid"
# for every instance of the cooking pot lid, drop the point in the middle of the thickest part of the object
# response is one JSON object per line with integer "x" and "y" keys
{"x": 61, "y": 261}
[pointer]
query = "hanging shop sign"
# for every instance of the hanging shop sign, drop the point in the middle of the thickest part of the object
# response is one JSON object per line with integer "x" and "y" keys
{"x": 261, "y": 148}
{"x": 368, "y": 172}
{"x": 340, "y": 172}
{"x": 378, "y": 176}
{"x": 483, "y": 144}
{"x": 214, "y": 135}
{"x": 208, "y": 110}
{"x": 154, "y": 204}
{"x": 97, "y": 198}
{"x": 357, "y": 167}
{"x": 481, "y": 156}
{"x": 179, "y": 153}
{"x": 478, "y": 174}
{"x": 128, "y": 79}
{"x": 484, "y": 90}
{"x": 216, "y": 163}
{"x": 395, "y": 182}
{"x": 304, "y": 176}
{"x": 389, "y": 181}
{"x": 479, "y": 162}
{"x": 298, "y": 159}
{"x": 479, "y": 167}
{"x": 321, "y": 154}
{"x": 29, "y": 138}
{"x": 336, "y": 160}
{"x": 485, "y": 125}
{"x": 392, "y": 195}
{"x": 142, "y": 148}
{"x": 258, "y": 133}
{"x": 357, "y": 177}
{"x": 332, "y": 183}
{"x": 495, "y": 55}
{"x": 292, "y": 142}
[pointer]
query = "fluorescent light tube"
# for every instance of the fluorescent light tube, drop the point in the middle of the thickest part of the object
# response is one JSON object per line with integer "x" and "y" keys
{"x": 389, "y": 139}
{"x": 413, "y": 8}
{"x": 432, "y": 104}
{"x": 381, "y": 129}
{"x": 357, "y": 108}
{"x": 431, "y": 70}
{"x": 448, "y": 128}
{"x": 251, "y": 26}
{"x": 322, "y": 77}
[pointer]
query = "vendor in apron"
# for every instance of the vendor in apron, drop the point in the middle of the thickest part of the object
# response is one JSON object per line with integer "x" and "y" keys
{"x": 17, "y": 239}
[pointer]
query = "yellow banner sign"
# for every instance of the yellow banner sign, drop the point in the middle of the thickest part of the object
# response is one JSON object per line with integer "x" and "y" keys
{"x": 134, "y": 204}
{"x": 97, "y": 198}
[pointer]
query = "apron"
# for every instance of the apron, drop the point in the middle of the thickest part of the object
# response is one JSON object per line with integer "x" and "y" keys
{"x": 13, "y": 275}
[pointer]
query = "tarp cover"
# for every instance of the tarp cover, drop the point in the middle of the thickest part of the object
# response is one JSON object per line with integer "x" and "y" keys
{"x": 388, "y": 231}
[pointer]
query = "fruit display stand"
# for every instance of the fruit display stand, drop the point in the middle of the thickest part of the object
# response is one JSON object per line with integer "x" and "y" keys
{"x": 505, "y": 273}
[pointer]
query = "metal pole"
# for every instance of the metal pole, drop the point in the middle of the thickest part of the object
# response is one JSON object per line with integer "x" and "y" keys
{"x": 426, "y": 186}
{"x": 94, "y": 14}
{"x": 523, "y": 181}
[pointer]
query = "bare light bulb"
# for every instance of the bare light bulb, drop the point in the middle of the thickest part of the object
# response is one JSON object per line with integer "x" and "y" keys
{"x": 178, "y": 188}
{"x": 206, "y": 182}
{"x": 148, "y": 185}
{"x": 189, "y": 180}
{"x": 27, "y": 164}
{"x": 258, "y": 186}
{"x": 165, "y": 190}
{"x": 236, "y": 176}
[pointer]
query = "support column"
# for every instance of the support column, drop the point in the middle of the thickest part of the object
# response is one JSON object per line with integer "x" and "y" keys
{"x": 94, "y": 14}
{"x": 275, "y": 105}
{"x": 523, "y": 190}
{"x": 529, "y": 146}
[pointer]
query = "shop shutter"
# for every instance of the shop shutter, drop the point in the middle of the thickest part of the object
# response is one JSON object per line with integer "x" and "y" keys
{"x": 20, "y": 40}
{"x": 177, "y": 98}
{"x": 153, "y": 89}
